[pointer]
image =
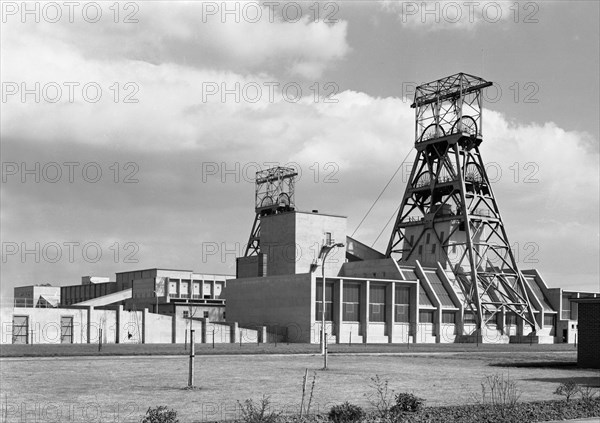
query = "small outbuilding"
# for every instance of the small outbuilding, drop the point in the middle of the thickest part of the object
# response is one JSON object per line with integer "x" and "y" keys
{"x": 588, "y": 347}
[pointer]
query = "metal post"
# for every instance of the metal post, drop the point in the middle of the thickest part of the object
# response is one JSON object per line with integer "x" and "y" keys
{"x": 323, "y": 305}
{"x": 213, "y": 339}
{"x": 240, "y": 338}
{"x": 192, "y": 356}
{"x": 185, "y": 341}
{"x": 325, "y": 249}
{"x": 100, "y": 339}
{"x": 325, "y": 355}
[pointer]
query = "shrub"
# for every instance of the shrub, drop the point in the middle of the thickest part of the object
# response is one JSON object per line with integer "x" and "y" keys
{"x": 346, "y": 413}
{"x": 407, "y": 403}
{"x": 587, "y": 395}
{"x": 567, "y": 389}
{"x": 160, "y": 414}
{"x": 252, "y": 413}
{"x": 381, "y": 397}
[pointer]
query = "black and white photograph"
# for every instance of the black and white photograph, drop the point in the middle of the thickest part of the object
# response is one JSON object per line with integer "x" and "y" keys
{"x": 305, "y": 211}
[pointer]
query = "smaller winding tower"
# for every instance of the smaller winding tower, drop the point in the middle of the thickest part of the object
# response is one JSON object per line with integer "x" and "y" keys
{"x": 274, "y": 193}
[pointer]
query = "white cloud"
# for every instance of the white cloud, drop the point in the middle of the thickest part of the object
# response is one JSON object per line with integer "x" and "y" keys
{"x": 460, "y": 15}
{"x": 187, "y": 34}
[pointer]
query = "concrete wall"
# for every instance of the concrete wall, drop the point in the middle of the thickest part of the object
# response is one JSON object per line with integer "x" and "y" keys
{"x": 292, "y": 242}
{"x": 158, "y": 328}
{"x": 285, "y": 301}
{"x": 116, "y": 325}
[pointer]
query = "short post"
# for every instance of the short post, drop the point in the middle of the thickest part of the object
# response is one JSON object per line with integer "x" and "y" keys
{"x": 185, "y": 342}
{"x": 325, "y": 352}
{"x": 240, "y": 337}
{"x": 575, "y": 340}
{"x": 192, "y": 356}
{"x": 100, "y": 339}
{"x": 213, "y": 339}
{"x": 257, "y": 337}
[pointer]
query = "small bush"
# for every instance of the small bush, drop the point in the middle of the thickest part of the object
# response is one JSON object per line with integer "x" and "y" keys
{"x": 382, "y": 397}
{"x": 567, "y": 389}
{"x": 346, "y": 413}
{"x": 160, "y": 414}
{"x": 252, "y": 413}
{"x": 587, "y": 395}
{"x": 407, "y": 403}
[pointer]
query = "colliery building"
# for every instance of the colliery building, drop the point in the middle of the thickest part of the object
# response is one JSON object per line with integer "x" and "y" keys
{"x": 448, "y": 273}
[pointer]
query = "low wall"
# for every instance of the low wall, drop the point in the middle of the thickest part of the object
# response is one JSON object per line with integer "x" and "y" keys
{"x": 116, "y": 326}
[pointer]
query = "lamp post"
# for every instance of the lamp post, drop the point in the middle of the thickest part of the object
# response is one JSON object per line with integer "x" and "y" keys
{"x": 325, "y": 249}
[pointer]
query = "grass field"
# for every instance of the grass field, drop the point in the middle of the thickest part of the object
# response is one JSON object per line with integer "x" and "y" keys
{"x": 50, "y": 350}
{"x": 115, "y": 388}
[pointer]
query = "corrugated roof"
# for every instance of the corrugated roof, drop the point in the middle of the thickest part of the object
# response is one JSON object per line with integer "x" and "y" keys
{"x": 538, "y": 293}
{"x": 440, "y": 290}
{"x": 409, "y": 274}
{"x": 424, "y": 298}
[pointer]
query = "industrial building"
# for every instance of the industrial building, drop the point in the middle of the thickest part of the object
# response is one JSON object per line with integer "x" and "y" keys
{"x": 42, "y": 295}
{"x": 448, "y": 273}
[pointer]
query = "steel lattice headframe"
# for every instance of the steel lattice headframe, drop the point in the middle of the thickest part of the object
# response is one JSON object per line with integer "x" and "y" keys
{"x": 274, "y": 193}
{"x": 450, "y": 196}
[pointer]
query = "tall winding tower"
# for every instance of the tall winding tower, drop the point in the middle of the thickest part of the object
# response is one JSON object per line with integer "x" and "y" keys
{"x": 274, "y": 193}
{"x": 448, "y": 214}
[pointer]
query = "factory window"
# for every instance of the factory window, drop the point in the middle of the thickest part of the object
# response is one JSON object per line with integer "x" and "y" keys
{"x": 491, "y": 319}
{"x": 420, "y": 249}
{"x": 186, "y": 314}
{"x": 566, "y": 308}
{"x": 350, "y": 306}
{"x": 470, "y": 317}
{"x": 433, "y": 248}
{"x": 328, "y": 238}
{"x": 20, "y": 329}
{"x": 377, "y": 303}
{"x": 426, "y": 316}
{"x": 448, "y": 317}
{"x": 206, "y": 314}
{"x": 402, "y": 305}
{"x": 549, "y": 320}
{"x": 412, "y": 240}
{"x": 328, "y": 301}
{"x": 66, "y": 329}
{"x": 427, "y": 238}
{"x": 511, "y": 319}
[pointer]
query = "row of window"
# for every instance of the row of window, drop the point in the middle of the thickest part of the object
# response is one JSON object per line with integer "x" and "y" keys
{"x": 351, "y": 303}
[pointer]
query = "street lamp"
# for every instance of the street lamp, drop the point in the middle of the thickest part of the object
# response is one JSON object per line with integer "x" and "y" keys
{"x": 325, "y": 249}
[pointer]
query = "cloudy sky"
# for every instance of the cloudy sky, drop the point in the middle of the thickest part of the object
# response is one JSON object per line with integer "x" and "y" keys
{"x": 130, "y": 134}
